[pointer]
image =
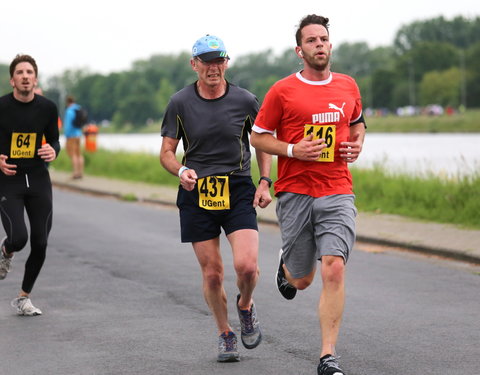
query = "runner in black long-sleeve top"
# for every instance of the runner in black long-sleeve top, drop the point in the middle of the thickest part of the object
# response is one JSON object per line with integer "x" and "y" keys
{"x": 24, "y": 179}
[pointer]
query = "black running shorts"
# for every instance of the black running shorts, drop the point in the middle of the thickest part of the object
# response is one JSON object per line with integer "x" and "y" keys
{"x": 200, "y": 224}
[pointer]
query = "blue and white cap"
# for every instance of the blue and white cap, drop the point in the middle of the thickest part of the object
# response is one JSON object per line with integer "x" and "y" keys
{"x": 209, "y": 47}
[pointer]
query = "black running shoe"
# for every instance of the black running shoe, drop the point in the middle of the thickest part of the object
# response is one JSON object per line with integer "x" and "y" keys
{"x": 287, "y": 290}
{"x": 329, "y": 366}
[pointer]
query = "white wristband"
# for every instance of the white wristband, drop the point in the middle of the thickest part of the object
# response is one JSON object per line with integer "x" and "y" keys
{"x": 181, "y": 170}
{"x": 290, "y": 150}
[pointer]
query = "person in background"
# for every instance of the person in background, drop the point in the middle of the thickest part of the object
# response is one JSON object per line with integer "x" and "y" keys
{"x": 214, "y": 118}
{"x": 24, "y": 179}
{"x": 313, "y": 121}
{"x": 73, "y": 137}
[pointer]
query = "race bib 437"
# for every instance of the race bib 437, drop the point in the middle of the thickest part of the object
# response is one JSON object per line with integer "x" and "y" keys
{"x": 214, "y": 193}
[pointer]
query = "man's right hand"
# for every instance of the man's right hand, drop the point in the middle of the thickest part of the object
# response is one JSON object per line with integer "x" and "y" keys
{"x": 7, "y": 169}
{"x": 188, "y": 179}
{"x": 309, "y": 149}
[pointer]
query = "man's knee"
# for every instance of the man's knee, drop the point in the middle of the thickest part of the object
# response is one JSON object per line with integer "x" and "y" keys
{"x": 333, "y": 269}
{"x": 247, "y": 271}
{"x": 17, "y": 242}
{"x": 213, "y": 279}
{"x": 302, "y": 283}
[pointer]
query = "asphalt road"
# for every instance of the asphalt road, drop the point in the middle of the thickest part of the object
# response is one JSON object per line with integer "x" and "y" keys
{"x": 121, "y": 295}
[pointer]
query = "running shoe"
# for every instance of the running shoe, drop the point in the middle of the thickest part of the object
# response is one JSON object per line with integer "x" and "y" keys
{"x": 227, "y": 347}
{"x": 287, "y": 290}
{"x": 329, "y": 366}
{"x": 251, "y": 335}
{"x": 24, "y": 306}
{"x": 5, "y": 262}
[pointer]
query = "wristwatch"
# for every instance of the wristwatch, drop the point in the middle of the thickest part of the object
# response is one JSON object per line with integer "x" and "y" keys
{"x": 266, "y": 179}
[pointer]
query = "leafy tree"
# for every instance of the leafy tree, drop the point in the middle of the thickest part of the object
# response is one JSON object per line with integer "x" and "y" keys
{"x": 382, "y": 58}
{"x": 403, "y": 94}
{"x": 174, "y": 67}
{"x": 441, "y": 88}
{"x": 83, "y": 93}
{"x": 261, "y": 86}
{"x": 424, "y": 56}
{"x": 427, "y": 56}
{"x": 135, "y": 110}
{"x": 382, "y": 86}
{"x": 471, "y": 63}
{"x": 460, "y": 32}
{"x": 256, "y": 66}
{"x": 163, "y": 94}
{"x": 5, "y": 87}
{"x": 139, "y": 105}
{"x": 103, "y": 102}
{"x": 352, "y": 59}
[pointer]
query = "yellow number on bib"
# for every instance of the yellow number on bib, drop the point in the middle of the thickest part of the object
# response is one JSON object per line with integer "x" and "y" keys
{"x": 326, "y": 132}
{"x": 214, "y": 193}
{"x": 23, "y": 145}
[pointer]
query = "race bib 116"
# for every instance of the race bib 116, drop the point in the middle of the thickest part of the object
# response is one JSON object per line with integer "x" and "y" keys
{"x": 326, "y": 132}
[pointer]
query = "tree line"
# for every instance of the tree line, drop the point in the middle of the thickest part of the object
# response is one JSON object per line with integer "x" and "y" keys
{"x": 433, "y": 61}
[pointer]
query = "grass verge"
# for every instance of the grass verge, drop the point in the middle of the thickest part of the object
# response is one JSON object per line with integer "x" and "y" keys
{"x": 430, "y": 198}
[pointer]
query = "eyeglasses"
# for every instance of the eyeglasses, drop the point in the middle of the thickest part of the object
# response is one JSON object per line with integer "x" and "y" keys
{"x": 218, "y": 61}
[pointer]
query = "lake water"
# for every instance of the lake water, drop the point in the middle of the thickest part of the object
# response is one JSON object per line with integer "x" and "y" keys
{"x": 443, "y": 154}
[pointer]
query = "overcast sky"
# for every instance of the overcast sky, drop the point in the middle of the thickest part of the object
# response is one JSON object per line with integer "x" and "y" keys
{"x": 107, "y": 36}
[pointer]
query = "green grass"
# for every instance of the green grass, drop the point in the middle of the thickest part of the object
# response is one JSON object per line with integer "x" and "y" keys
{"x": 140, "y": 167}
{"x": 468, "y": 122}
{"x": 130, "y": 166}
{"x": 430, "y": 198}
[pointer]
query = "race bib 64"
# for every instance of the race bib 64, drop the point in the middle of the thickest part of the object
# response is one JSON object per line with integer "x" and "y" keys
{"x": 23, "y": 145}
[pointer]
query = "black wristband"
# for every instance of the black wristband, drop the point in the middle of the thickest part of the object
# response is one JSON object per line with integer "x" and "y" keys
{"x": 266, "y": 179}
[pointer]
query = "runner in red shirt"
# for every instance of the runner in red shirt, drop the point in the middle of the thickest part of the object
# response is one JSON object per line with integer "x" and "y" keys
{"x": 313, "y": 121}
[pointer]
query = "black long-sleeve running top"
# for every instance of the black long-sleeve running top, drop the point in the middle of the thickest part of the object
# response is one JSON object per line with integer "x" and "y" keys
{"x": 22, "y": 126}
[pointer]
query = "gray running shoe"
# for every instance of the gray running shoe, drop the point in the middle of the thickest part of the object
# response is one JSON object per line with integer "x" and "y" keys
{"x": 287, "y": 290}
{"x": 251, "y": 335}
{"x": 227, "y": 348}
{"x": 329, "y": 366}
{"x": 5, "y": 262}
{"x": 24, "y": 306}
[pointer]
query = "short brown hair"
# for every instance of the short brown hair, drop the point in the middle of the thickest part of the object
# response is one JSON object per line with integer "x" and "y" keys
{"x": 311, "y": 19}
{"x": 23, "y": 58}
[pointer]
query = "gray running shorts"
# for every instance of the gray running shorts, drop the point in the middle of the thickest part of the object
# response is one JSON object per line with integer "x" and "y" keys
{"x": 314, "y": 227}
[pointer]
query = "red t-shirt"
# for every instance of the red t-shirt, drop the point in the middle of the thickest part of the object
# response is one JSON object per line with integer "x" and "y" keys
{"x": 327, "y": 108}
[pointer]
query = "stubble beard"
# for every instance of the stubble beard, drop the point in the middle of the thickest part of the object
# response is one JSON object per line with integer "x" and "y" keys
{"x": 24, "y": 92}
{"x": 319, "y": 65}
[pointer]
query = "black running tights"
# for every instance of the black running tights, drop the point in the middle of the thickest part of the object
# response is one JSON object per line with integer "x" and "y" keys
{"x": 31, "y": 193}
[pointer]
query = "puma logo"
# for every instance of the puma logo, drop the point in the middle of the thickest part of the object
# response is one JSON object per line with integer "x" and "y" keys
{"x": 329, "y": 117}
{"x": 333, "y": 106}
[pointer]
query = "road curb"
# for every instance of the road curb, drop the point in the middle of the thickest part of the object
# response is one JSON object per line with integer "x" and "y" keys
{"x": 428, "y": 250}
{"x": 410, "y": 246}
